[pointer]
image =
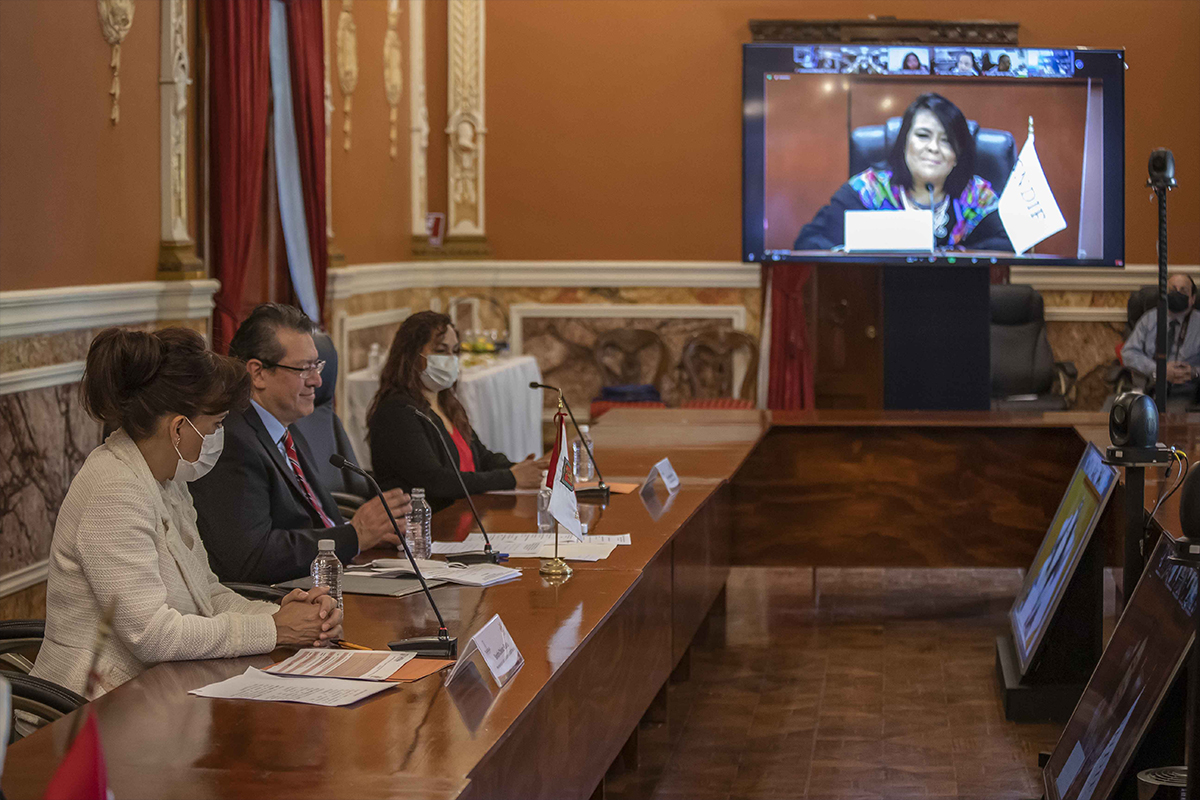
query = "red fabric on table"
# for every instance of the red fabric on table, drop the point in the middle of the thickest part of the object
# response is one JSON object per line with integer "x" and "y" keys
{"x": 791, "y": 384}
{"x": 466, "y": 459}
{"x": 718, "y": 402}
{"x": 240, "y": 100}
{"x": 307, "y": 63}
{"x": 600, "y": 406}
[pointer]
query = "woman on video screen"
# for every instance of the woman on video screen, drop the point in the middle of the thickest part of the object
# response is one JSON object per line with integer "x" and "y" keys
{"x": 933, "y": 148}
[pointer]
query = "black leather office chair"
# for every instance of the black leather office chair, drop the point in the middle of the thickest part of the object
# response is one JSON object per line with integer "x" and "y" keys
{"x": 1025, "y": 376}
{"x": 326, "y": 436}
{"x": 20, "y": 640}
{"x": 37, "y": 702}
{"x": 995, "y": 151}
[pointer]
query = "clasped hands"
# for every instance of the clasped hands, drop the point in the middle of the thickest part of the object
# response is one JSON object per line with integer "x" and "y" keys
{"x": 308, "y": 619}
{"x": 1179, "y": 372}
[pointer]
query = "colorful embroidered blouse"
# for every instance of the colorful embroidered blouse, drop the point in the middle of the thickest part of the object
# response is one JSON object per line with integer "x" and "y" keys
{"x": 875, "y": 190}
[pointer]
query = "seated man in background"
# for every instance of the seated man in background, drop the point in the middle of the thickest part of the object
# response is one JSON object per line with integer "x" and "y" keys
{"x": 261, "y": 510}
{"x": 1183, "y": 344}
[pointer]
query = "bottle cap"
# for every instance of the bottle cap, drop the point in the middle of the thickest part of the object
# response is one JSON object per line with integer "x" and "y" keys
{"x": 417, "y": 492}
{"x": 583, "y": 428}
{"x": 326, "y": 544}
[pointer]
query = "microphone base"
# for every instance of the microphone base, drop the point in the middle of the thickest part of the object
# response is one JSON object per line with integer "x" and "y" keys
{"x": 596, "y": 494}
{"x": 478, "y": 558}
{"x": 427, "y": 646}
{"x": 555, "y": 568}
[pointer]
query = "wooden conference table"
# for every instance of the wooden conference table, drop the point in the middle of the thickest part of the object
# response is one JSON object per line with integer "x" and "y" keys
{"x": 816, "y": 488}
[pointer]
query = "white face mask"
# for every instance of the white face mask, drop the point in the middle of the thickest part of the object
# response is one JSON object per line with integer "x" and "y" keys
{"x": 210, "y": 450}
{"x": 440, "y": 373}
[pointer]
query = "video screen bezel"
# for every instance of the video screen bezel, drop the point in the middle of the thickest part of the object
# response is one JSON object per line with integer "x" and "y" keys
{"x": 759, "y": 59}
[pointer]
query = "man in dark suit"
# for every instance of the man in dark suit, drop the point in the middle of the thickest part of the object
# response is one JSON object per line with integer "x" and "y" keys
{"x": 261, "y": 510}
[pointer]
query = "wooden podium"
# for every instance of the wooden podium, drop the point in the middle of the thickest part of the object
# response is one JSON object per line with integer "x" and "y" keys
{"x": 905, "y": 337}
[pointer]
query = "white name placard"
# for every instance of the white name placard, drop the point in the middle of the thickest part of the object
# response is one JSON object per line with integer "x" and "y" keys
{"x": 498, "y": 650}
{"x": 664, "y": 470}
{"x": 889, "y": 230}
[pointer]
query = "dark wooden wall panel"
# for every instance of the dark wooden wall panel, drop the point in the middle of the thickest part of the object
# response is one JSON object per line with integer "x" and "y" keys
{"x": 876, "y": 496}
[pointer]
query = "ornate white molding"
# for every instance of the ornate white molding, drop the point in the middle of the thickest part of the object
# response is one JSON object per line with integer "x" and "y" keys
{"x": 392, "y": 74}
{"x": 345, "y": 324}
{"x": 39, "y": 311}
{"x": 116, "y": 19}
{"x": 1076, "y": 279}
{"x": 1084, "y": 314}
{"x": 24, "y": 380}
{"x": 465, "y": 127}
{"x": 347, "y": 282}
{"x": 418, "y": 116}
{"x": 328, "y": 122}
{"x": 347, "y": 64}
{"x": 24, "y": 577}
{"x": 173, "y": 84}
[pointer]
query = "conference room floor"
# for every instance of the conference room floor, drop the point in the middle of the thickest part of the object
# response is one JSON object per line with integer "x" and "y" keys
{"x": 846, "y": 683}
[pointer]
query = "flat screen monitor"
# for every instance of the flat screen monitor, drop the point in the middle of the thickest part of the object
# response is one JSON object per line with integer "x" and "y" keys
{"x": 1060, "y": 553}
{"x": 1135, "y": 673}
{"x": 1024, "y": 150}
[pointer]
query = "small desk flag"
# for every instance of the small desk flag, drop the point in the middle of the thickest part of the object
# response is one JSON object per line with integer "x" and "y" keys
{"x": 1027, "y": 206}
{"x": 563, "y": 506}
{"x": 82, "y": 774}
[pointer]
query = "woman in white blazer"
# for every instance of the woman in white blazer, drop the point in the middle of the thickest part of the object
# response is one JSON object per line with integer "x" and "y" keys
{"x": 126, "y": 533}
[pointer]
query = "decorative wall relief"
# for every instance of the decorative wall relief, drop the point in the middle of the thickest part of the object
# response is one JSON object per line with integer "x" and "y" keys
{"x": 177, "y": 254}
{"x": 392, "y": 73}
{"x": 465, "y": 127}
{"x": 347, "y": 64}
{"x": 116, "y": 18}
{"x": 418, "y": 114}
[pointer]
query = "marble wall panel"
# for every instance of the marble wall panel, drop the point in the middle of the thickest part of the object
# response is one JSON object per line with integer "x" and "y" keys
{"x": 564, "y": 349}
{"x": 27, "y": 352}
{"x": 45, "y": 435}
{"x": 1092, "y": 347}
{"x": 28, "y": 603}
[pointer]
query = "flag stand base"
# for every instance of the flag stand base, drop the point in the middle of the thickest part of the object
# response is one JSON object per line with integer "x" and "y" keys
{"x": 555, "y": 567}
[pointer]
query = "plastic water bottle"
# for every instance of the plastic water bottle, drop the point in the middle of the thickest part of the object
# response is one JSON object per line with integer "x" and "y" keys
{"x": 545, "y": 522}
{"x": 327, "y": 570}
{"x": 375, "y": 358}
{"x": 419, "y": 532}
{"x": 581, "y": 464}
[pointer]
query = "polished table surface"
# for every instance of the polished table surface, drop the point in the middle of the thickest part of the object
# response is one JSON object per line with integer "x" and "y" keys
{"x": 597, "y": 647}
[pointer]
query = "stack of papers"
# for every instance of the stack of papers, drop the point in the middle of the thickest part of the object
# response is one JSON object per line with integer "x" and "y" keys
{"x": 538, "y": 545}
{"x": 362, "y": 665}
{"x": 472, "y": 575}
{"x": 254, "y": 684}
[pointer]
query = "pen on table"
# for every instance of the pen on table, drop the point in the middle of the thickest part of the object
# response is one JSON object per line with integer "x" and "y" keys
{"x": 342, "y": 643}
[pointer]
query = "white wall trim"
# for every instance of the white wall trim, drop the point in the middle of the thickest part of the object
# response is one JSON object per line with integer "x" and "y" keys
{"x": 1077, "y": 279}
{"x": 521, "y": 311}
{"x": 24, "y": 577}
{"x": 367, "y": 278}
{"x": 346, "y": 323}
{"x": 1084, "y": 314}
{"x": 24, "y": 380}
{"x": 38, "y": 311}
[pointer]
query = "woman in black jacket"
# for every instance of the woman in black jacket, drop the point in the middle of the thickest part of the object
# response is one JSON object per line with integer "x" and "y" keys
{"x": 418, "y": 379}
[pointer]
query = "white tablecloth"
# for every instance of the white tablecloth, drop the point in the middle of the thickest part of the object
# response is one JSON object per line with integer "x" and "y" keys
{"x": 504, "y": 411}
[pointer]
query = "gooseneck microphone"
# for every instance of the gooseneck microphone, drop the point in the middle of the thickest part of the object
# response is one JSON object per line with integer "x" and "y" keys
{"x": 932, "y": 220}
{"x": 488, "y": 556}
{"x": 601, "y": 492}
{"x": 441, "y": 646}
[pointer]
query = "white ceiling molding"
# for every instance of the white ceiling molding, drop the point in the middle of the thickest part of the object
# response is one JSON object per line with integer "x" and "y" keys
{"x": 1079, "y": 279}
{"x": 368, "y": 278}
{"x": 24, "y": 380}
{"x": 24, "y": 577}
{"x": 39, "y": 311}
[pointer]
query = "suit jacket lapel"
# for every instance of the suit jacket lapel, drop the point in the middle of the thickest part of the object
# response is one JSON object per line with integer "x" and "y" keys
{"x": 304, "y": 454}
{"x": 280, "y": 462}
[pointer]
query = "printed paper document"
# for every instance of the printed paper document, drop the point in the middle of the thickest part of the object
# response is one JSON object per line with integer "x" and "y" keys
{"x": 255, "y": 684}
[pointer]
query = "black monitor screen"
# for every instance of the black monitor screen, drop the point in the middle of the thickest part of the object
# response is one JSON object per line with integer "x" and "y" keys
{"x": 1135, "y": 673}
{"x": 1056, "y": 560}
{"x": 1023, "y": 150}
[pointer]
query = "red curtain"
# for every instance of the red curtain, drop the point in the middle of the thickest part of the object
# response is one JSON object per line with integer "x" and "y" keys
{"x": 791, "y": 366}
{"x": 307, "y": 63}
{"x": 239, "y": 98}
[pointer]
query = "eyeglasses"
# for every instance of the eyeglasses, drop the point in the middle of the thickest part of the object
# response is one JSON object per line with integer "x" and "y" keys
{"x": 309, "y": 371}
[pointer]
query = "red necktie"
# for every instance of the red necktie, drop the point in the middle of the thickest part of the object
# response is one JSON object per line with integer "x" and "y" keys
{"x": 309, "y": 494}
